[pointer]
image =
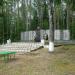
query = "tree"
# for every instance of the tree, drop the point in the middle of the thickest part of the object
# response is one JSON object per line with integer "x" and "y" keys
{"x": 51, "y": 25}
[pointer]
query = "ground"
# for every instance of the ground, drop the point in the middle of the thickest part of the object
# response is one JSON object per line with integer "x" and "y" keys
{"x": 41, "y": 62}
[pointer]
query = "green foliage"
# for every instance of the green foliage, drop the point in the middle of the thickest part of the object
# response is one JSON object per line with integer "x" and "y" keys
{"x": 13, "y": 18}
{"x": 73, "y": 6}
{"x": 1, "y": 2}
{"x": 45, "y": 24}
{"x": 57, "y": 2}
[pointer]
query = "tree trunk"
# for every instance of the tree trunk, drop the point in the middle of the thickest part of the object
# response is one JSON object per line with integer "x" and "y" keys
{"x": 51, "y": 25}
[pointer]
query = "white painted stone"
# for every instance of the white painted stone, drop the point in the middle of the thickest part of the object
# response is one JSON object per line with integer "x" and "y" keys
{"x": 20, "y": 47}
{"x": 8, "y": 41}
{"x": 51, "y": 46}
{"x": 42, "y": 42}
{"x": 66, "y": 35}
{"x": 57, "y": 34}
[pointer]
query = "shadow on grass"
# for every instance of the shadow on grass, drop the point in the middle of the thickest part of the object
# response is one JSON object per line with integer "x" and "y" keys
{"x": 8, "y": 61}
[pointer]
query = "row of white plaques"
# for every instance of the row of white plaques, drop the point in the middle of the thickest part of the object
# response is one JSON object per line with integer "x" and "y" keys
{"x": 58, "y": 35}
{"x": 64, "y": 35}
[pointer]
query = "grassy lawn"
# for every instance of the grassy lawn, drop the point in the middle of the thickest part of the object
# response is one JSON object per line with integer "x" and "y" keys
{"x": 41, "y": 62}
